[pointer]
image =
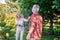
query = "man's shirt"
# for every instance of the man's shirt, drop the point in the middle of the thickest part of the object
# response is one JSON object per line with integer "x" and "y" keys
{"x": 35, "y": 22}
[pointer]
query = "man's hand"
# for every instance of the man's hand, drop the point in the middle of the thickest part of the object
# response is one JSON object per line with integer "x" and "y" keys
{"x": 28, "y": 37}
{"x": 30, "y": 31}
{"x": 28, "y": 17}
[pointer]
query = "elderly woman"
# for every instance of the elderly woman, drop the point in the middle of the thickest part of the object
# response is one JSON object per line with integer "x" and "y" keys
{"x": 35, "y": 27}
{"x": 20, "y": 27}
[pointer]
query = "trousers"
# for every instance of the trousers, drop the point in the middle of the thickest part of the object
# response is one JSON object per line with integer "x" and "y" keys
{"x": 21, "y": 31}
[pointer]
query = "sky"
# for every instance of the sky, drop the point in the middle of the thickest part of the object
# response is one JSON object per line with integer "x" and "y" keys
{"x": 2, "y": 1}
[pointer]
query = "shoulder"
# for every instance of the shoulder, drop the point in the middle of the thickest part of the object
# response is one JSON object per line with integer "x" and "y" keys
{"x": 32, "y": 19}
{"x": 40, "y": 16}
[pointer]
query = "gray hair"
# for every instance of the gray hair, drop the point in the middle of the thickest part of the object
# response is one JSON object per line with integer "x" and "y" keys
{"x": 35, "y": 7}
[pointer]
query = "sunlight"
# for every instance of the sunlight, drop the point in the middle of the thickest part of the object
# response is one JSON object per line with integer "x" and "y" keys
{"x": 2, "y": 1}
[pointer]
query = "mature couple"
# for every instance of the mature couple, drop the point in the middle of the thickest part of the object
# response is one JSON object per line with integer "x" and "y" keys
{"x": 35, "y": 25}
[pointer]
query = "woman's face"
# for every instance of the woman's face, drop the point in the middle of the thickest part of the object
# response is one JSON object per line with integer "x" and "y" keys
{"x": 18, "y": 16}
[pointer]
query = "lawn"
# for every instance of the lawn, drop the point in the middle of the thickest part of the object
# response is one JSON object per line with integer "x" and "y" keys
{"x": 43, "y": 38}
{"x": 45, "y": 35}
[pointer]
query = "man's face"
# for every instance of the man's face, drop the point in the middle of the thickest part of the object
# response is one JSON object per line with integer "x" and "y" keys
{"x": 34, "y": 10}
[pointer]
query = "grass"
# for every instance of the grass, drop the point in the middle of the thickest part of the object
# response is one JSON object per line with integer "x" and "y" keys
{"x": 43, "y": 38}
{"x": 47, "y": 38}
{"x": 45, "y": 35}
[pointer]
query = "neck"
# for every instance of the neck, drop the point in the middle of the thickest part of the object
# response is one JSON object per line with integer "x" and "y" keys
{"x": 35, "y": 12}
{"x": 18, "y": 18}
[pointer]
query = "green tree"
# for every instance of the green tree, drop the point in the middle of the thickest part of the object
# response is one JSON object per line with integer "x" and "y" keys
{"x": 47, "y": 9}
{"x": 13, "y": 5}
{"x": 2, "y": 11}
{"x": 6, "y": 30}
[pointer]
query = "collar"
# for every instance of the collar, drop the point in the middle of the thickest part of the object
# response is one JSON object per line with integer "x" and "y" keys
{"x": 35, "y": 14}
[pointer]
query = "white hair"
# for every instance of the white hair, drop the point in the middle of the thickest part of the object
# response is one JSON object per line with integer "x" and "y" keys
{"x": 35, "y": 7}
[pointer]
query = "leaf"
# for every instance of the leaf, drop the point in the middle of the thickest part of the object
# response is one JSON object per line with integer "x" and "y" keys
{"x": 54, "y": 6}
{"x": 2, "y": 24}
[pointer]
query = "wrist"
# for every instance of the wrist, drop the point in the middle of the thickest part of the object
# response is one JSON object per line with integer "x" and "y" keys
{"x": 29, "y": 34}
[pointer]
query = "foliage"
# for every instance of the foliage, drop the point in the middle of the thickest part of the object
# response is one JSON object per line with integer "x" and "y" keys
{"x": 10, "y": 19}
{"x": 12, "y": 5}
{"x": 56, "y": 5}
{"x": 2, "y": 12}
{"x": 2, "y": 24}
{"x": 7, "y": 21}
{"x": 8, "y": 26}
{"x": 47, "y": 9}
{"x": 57, "y": 31}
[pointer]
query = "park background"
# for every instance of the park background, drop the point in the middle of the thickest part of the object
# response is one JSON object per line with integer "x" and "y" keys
{"x": 49, "y": 10}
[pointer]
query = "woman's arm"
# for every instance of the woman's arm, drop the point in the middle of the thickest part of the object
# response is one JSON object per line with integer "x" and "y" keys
{"x": 26, "y": 19}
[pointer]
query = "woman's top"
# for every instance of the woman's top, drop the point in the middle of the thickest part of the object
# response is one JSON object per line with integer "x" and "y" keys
{"x": 21, "y": 21}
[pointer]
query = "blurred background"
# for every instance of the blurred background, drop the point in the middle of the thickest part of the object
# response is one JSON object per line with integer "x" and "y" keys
{"x": 49, "y": 10}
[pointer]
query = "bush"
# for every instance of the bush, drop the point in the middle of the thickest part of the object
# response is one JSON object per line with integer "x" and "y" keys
{"x": 7, "y": 29}
{"x": 57, "y": 31}
{"x": 2, "y": 24}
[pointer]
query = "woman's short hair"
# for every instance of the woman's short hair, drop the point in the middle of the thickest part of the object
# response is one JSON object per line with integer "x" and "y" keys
{"x": 35, "y": 7}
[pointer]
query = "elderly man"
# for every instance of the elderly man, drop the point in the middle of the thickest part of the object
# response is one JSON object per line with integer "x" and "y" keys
{"x": 35, "y": 27}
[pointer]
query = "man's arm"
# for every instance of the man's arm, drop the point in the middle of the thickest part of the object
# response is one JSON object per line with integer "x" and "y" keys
{"x": 41, "y": 22}
{"x": 31, "y": 28}
{"x": 32, "y": 25}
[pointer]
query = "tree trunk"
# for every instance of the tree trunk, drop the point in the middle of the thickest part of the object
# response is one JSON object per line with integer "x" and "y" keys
{"x": 51, "y": 32}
